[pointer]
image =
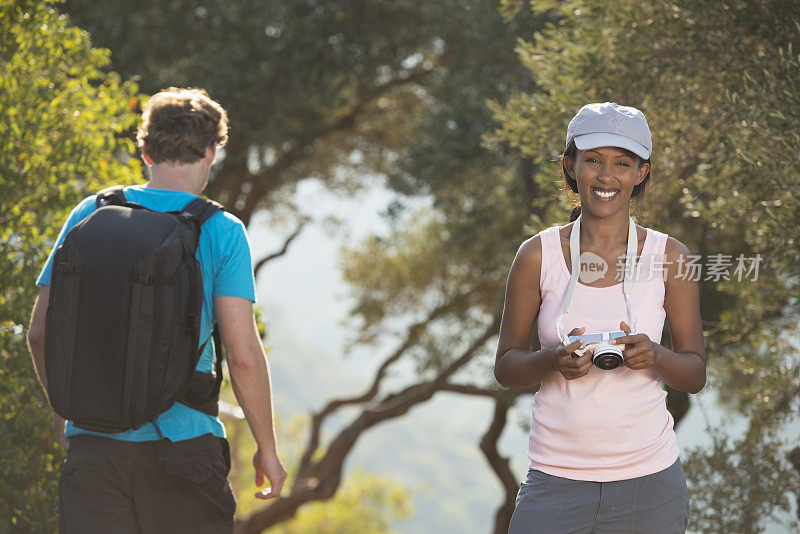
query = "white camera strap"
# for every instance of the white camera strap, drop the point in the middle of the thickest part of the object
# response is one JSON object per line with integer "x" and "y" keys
{"x": 628, "y": 279}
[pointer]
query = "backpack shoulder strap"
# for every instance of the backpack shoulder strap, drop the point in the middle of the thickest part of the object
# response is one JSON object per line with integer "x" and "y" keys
{"x": 111, "y": 195}
{"x": 201, "y": 209}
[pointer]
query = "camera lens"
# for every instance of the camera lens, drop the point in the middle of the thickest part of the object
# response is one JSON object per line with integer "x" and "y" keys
{"x": 607, "y": 356}
{"x": 608, "y": 361}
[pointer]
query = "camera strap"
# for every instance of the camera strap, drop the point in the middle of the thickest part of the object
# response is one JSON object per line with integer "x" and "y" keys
{"x": 628, "y": 277}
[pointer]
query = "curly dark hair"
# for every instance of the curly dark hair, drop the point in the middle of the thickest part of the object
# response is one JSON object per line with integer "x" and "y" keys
{"x": 179, "y": 124}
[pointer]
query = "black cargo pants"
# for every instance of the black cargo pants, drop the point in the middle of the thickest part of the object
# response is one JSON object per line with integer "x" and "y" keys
{"x": 146, "y": 487}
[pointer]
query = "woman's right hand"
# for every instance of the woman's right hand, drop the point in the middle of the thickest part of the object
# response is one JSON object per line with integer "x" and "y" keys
{"x": 570, "y": 364}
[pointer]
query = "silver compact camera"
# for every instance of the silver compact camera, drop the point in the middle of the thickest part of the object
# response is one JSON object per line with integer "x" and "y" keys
{"x": 606, "y": 356}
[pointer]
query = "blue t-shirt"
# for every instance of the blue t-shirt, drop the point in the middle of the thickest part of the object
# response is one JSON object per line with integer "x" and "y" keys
{"x": 224, "y": 256}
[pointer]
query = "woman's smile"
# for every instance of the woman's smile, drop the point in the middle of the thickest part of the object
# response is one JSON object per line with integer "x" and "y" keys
{"x": 605, "y": 195}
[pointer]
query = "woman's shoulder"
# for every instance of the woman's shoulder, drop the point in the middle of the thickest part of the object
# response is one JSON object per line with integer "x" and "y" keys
{"x": 537, "y": 253}
{"x": 675, "y": 251}
{"x": 531, "y": 250}
{"x": 675, "y": 247}
{"x": 669, "y": 246}
{"x": 677, "y": 256}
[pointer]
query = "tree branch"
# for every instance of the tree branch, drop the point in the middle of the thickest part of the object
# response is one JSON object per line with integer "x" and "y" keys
{"x": 503, "y": 394}
{"x": 280, "y": 252}
{"x": 794, "y": 458}
{"x": 267, "y": 179}
{"x": 500, "y": 465}
{"x": 411, "y": 338}
{"x": 503, "y": 400}
{"x": 323, "y": 477}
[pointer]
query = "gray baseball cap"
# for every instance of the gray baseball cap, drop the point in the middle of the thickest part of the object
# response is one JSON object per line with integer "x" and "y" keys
{"x": 609, "y": 124}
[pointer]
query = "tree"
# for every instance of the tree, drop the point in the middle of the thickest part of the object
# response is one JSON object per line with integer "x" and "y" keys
{"x": 63, "y": 116}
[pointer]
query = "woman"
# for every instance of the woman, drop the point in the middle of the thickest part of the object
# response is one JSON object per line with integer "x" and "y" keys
{"x": 603, "y": 453}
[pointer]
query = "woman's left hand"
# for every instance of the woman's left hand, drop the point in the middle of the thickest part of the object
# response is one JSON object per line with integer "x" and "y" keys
{"x": 639, "y": 352}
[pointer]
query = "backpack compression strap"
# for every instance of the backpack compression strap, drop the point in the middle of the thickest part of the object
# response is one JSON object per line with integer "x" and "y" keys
{"x": 203, "y": 393}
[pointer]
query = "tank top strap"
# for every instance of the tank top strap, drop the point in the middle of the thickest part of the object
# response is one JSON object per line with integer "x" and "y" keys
{"x": 551, "y": 247}
{"x": 657, "y": 243}
{"x": 651, "y": 262}
{"x": 550, "y": 261}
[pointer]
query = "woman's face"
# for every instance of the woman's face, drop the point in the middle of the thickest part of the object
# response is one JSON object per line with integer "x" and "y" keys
{"x": 606, "y": 177}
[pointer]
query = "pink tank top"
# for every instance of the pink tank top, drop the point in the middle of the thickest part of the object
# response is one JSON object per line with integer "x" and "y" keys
{"x": 606, "y": 425}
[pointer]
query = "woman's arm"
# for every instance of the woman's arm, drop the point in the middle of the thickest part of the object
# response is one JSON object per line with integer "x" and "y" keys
{"x": 516, "y": 365}
{"x": 684, "y": 367}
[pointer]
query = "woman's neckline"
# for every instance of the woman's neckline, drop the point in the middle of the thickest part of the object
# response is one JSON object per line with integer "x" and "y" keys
{"x": 598, "y": 288}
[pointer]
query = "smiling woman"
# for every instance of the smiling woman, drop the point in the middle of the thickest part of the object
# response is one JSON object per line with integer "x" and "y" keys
{"x": 593, "y": 160}
{"x": 607, "y": 170}
{"x": 603, "y": 453}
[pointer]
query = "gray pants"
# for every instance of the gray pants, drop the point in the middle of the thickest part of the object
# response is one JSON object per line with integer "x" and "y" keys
{"x": 652, "y": 504}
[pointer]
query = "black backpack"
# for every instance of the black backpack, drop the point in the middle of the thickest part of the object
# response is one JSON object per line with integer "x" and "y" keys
{"x": 123, "y": 321}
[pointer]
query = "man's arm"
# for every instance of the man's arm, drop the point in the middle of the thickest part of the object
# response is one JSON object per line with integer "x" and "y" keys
{"x": 36, "y": 348}
{"x": 249, "y": 371}
{"x": 36, "y": 334}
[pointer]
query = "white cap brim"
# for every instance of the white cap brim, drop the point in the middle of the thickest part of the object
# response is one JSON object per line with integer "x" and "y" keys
{"x": 597, "y": 140}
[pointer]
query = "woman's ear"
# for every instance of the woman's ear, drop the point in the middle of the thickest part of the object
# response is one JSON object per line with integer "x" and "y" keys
{"x": 569, "y": 164}
{"x": 644, "y": 168}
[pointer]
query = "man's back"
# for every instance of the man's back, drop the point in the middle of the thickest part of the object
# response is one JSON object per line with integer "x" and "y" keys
{"x": 225, "y": 262}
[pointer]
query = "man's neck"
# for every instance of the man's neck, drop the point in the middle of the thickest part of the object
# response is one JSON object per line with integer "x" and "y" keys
{"x": 190, "y": 177}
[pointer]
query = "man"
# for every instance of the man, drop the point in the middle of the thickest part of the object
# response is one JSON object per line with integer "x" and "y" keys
{"x": 170, "y": 474}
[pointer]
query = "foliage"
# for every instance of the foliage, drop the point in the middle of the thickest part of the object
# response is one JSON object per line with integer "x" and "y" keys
{"x": 737, "y": 485}
{"x": 63, "y": 113}
{"x": 455, "y": 253}
{"x": 365, "y": 503}
{"x": 310, "y": 86}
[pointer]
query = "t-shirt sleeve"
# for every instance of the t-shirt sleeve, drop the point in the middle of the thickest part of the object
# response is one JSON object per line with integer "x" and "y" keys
{"x": 234, "y": 277}
{"x": 78, "y": 213}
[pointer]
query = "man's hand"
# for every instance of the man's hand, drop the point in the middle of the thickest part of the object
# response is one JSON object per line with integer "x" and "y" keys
{"x": 249, "y": 372}
{"x": 269, "y": 466}
{"x": 59, "y": 427}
